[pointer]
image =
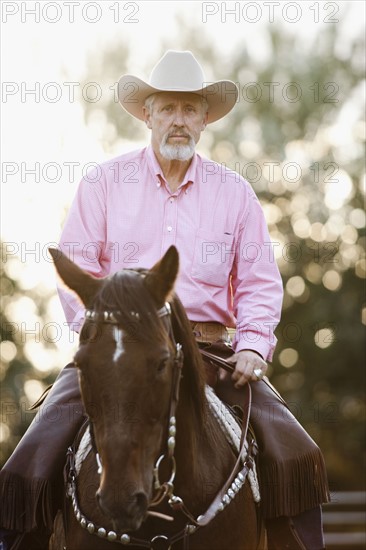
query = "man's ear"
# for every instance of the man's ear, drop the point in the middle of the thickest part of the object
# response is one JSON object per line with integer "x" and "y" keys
{"x": 205, "y": 119}
{"x": 146, "y": 114}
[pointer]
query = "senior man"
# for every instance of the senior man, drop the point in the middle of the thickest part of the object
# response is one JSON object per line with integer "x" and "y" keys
{"x": 126, "y": 213}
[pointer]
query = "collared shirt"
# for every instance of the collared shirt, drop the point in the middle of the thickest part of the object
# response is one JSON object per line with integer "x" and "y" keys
{"x": 125, "y": 216}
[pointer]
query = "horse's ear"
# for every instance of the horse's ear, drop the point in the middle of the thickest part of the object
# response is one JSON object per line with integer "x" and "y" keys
{"x": 161, "y": 277}
{"x": 86, "y": 286}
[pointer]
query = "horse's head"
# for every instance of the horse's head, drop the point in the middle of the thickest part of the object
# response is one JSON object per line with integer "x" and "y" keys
{"x": 125, "y": 361}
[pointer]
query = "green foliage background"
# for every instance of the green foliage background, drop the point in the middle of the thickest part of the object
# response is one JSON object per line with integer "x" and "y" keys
{"x": 319, "y": 363}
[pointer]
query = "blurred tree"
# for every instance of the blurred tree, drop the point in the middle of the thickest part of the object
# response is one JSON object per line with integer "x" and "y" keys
{"x": 21, "y": 383}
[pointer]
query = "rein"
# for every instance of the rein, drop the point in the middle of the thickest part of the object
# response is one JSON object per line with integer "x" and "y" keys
{"x": 235, "y": 481}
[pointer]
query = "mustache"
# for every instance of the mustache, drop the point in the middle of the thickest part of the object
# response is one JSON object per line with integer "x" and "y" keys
{"x": 178, "y": 133}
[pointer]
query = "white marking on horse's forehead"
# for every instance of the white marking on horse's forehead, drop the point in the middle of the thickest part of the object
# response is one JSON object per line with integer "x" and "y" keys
{"x": 118, "y": 336}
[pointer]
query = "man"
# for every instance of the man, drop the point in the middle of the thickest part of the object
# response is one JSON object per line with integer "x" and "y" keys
{"x": 163, "y": 195}
{"x": 128, "y": 211}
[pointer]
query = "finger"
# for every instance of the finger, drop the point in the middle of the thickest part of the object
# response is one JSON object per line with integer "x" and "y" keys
{"x": 242, "y": 370}
{"x": 236, "y": 375}
{"x": 242, "y": 376}
{"x": 223, "y": 374}
{"x": 241, "y": 382}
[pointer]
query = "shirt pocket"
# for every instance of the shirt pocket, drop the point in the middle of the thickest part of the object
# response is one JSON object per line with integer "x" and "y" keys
{"x": 213, "y": 258}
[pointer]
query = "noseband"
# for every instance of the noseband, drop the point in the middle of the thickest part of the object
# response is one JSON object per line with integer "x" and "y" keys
{"x": 164, "y": 490}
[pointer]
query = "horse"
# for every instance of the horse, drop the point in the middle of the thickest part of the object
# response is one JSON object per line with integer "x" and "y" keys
{"x": 160, "y": 472}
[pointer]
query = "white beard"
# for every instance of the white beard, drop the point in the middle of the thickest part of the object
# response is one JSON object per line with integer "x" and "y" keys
{"x": 177, "y": 151}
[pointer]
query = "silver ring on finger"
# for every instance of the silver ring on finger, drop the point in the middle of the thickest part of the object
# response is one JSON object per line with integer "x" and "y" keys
{"x": 258, "y": 373}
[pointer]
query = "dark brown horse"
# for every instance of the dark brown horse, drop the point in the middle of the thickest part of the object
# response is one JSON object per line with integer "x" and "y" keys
{"x": 136, "y": 346}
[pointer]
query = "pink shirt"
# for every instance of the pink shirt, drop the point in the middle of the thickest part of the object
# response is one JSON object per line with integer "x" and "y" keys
{"x": 125, "y": 216}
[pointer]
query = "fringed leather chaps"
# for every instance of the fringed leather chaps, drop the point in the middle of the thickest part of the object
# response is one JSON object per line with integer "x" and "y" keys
{"x": 292, "y": 473}
{"x": 31, "y": 481}
{"x": 293, "y": 476}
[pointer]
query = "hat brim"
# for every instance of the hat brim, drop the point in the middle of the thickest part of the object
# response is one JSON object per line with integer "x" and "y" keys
{"x": 221, "y": 96}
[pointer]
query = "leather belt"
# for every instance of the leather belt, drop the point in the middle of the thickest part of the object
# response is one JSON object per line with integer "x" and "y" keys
{"x": 210, "y": 332}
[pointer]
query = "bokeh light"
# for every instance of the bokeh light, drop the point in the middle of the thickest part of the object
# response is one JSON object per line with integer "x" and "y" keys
{"x": 288, "y": 357}
{"x": 332, "y": 280}
{"x": 324, "y": 337}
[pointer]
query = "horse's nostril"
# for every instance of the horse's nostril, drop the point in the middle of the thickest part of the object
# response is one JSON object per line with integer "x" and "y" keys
{"x": 140, "y": 501}
{"x": 101, "y": 505}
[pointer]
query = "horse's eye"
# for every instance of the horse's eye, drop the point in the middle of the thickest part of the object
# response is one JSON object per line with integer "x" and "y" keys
{"x": 163, "y": 365}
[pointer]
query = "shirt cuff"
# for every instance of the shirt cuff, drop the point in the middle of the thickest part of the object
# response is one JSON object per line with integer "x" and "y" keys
{"x": 257, "y": 342}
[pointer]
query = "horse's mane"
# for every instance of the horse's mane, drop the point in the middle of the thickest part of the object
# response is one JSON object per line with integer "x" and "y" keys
{"x": 194, "y": 374}
{"x": 205, "y": 427}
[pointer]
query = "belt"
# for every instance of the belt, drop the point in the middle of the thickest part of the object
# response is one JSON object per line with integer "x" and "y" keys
{"x": 210, "y": 332}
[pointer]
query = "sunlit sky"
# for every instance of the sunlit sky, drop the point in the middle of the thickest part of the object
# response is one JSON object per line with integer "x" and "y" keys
{"x": 39, "y": 130}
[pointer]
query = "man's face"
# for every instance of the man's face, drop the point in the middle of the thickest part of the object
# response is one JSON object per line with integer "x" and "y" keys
{"x": 176, "y": 121}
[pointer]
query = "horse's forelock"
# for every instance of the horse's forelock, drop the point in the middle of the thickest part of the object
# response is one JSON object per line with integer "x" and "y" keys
{"x": 125, "y": 294}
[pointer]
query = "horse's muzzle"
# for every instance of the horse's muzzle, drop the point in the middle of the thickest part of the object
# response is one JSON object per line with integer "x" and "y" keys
{"x": 127, "y": 514}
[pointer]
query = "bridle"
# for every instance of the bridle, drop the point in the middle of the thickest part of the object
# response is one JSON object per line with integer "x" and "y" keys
{"x": 108, "y": 317}
{"x": 165, "y": 490}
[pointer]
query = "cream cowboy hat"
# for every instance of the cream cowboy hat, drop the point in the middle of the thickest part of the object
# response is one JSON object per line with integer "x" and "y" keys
{"x": 177, "y": 72}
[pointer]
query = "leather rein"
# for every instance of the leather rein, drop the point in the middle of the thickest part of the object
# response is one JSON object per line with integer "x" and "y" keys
{"x": 165, "y": 490}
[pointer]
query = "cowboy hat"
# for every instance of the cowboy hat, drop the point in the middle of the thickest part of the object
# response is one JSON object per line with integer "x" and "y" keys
{"x": 177, "y": 72}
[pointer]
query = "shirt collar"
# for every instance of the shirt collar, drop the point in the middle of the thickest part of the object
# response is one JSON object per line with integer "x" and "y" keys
{"x": 158, "y": 173}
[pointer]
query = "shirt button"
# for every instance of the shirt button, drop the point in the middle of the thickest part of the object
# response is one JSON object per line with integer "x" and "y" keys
{"x": 172, "y": 199}
{"x": 158, "y": 184}
{"x": 169, "y": 228}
